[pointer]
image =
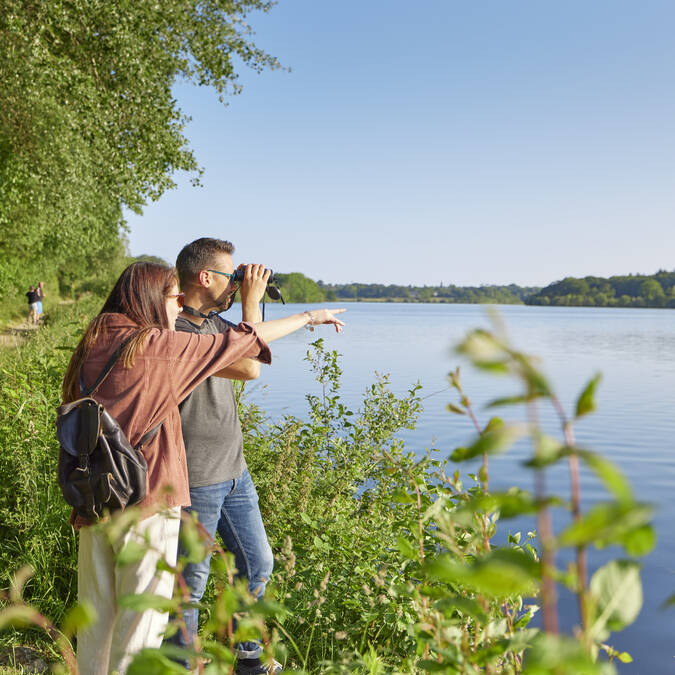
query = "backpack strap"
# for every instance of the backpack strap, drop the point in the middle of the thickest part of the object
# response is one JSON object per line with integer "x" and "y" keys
{"x": 88, "y": 391}
{"x": 147, "y": 436}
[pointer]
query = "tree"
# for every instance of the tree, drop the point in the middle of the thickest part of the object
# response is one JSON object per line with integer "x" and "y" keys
{"x": 297, "y": 287}
{"x": 652, "y": 292}
{"x": 88, "y": 122}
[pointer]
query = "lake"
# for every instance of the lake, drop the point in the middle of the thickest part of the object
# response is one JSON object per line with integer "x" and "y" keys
{"x": 634, "y": 424}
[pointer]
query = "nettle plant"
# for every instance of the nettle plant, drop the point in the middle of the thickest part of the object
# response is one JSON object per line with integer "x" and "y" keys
{"x": 612, "y": 598}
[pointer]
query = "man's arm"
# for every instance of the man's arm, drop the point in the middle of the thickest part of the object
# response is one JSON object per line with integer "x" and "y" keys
{"x": 252, "y": 290}
{"x": 244, "y": 369}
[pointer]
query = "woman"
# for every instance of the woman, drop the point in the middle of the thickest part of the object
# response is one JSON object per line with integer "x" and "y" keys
{"x": 157, "y": 369}
{"x": 40, "y": 290}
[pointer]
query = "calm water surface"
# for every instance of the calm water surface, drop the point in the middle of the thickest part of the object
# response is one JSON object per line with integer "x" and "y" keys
{"x": 634, "y": 424}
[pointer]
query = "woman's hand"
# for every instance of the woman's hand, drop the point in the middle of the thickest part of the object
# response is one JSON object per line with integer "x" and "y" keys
{"x": 318, "y": 317}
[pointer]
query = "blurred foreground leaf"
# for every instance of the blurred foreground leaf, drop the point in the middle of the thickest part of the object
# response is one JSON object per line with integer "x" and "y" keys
{"x": 502, "y": 573}
{"x": 617, "y": 591}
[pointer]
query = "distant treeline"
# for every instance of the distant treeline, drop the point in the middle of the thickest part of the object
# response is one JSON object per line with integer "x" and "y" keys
{"x": 656, "y": 290}
{"x": 634, "y": 290}
{"x": 297, "y": 287}
{"x": 510, "y": 295}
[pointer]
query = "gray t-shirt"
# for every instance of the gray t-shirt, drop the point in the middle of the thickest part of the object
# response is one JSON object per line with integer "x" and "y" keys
{"x": 210, "y": 420}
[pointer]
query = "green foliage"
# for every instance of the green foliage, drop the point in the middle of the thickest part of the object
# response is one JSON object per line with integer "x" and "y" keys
{"x": 297, "y": 287}
{"x": 638, "y": 290}
{"x": 34, "y": 527}
{"x": 614, "y": 597}
{"x": 510, "y": 294}
{"x": 89, "y": 124}
{"x": 386, "y": 562}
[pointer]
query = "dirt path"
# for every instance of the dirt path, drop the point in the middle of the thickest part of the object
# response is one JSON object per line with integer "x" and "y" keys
{"x": 15, "y": 335}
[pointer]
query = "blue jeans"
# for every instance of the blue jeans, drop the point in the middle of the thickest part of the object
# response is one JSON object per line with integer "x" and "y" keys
{"x": 231, "y": 509}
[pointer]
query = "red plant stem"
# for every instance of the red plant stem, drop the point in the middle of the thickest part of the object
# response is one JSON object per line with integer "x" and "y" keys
{"x": 575, "y": 485}
{"x": 61, "y": 642}
{"x": 548, "y": 592}
{"x": 545, "y": 527}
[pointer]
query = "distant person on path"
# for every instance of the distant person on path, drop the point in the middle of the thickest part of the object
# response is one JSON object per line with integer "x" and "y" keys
{"x": 33, "y": 299}
{"x": 40, "y": 290}
{"x": 221, "y": 490}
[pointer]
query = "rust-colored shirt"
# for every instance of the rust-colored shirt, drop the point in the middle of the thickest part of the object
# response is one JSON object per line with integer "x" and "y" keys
{"x": 170, "y": 365}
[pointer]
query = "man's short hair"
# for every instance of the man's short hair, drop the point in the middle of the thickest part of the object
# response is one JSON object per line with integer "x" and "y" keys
{"x": 199, "y": 255}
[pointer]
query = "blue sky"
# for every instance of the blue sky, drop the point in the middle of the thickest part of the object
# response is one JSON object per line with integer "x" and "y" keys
{"x": 469, "y": 142}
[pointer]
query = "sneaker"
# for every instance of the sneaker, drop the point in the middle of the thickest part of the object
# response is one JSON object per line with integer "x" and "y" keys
{"x": 256, "y": 667}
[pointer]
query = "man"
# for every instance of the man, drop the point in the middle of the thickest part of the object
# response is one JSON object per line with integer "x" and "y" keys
{"x": 221, "y": 490}
{"x": 33, "y": 298}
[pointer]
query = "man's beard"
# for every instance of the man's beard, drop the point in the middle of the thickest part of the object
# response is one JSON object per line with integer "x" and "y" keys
{"x": 229, "y": 301}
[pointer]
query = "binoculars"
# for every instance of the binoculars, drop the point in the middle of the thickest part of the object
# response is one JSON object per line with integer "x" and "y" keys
{"x": 272, "y": 290}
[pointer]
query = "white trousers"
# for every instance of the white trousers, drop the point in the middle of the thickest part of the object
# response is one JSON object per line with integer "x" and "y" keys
{"x": 109, "y": 644}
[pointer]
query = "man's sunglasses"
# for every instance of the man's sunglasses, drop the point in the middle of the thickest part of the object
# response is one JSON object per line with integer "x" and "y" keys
{"x": 180, "y": 298}
{"x": 225, "y": 274}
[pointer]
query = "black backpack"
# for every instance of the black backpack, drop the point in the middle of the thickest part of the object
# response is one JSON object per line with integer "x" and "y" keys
{"x": 99, "y": 469}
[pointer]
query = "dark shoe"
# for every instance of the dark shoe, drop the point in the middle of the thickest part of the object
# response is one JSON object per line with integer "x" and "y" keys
{"x": 256, "y": 667}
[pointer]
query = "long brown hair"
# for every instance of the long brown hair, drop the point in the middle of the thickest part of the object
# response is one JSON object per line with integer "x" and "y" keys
{"x": 139, "y": 294}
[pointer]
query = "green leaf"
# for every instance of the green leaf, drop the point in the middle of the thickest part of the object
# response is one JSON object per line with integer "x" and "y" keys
{"x": 466, "y": 606}
{"x": 267, "y": 608}
{"x": 78, "y": 617}
{"x": 501, "y": 573}
{"x": 606, "y": 523}
{"x": 494, "y": 424}
{"x": 563, "y": 656}
{"x": 451, "y": 407}
{"x": 320, "y": 543}
{"x": 640, "y": 540}
{"x": 607, "y": 472}
{"x": 153, "y": 662}
{"x": 18, "y": 615}
{"x": 624, "y": 657}
{"x": 481, "y": 346}
{"x": 18, "y": 582}
{"x": 139, "y": 602}
{"x": 499, "y": 439}
{"x": 401, "y": 496}
{"x": 586, "y": 400}
{"x": 494, "y": 367}
{"x": 406, "y": 549}
{"x": 509, "y": 504}
{"x": 194, "y": 546}
{"x": 617, "y": 591}
{"x": 132, "y": 552}
{"x": 537, "y": 383}
{"x": 506, "y": 400}
{"x": 220, "y": 654}
{"x": 548, "y": 451}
